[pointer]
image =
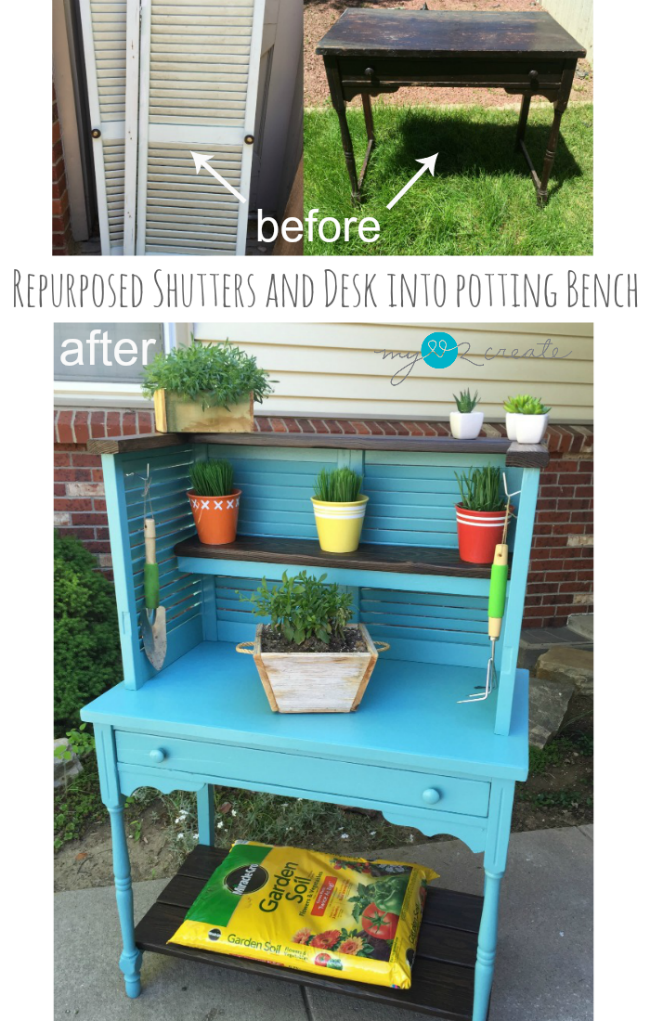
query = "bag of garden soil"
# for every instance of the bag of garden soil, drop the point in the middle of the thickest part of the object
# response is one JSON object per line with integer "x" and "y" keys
{"x": 345, "y": 917}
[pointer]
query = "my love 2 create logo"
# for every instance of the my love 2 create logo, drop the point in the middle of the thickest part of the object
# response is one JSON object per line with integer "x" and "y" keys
{"x": 439, "y": 350}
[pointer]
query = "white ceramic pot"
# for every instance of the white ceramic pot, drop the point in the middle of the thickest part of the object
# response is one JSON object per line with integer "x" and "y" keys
{"x": 511, "y": 424}
{"x": 465, "y": 425}
{"x": 530, "y": 428}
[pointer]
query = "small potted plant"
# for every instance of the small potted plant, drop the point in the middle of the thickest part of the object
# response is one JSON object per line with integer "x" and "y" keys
{"x": 309, "y": 656}
{"x": 526, "y": 418}
{"x": 339, "y": 509}
{"x": 466, "y": 423}
{"x": 480, "y": 515}
{"x": 205, "y": 388}
{"x": 214, "y": 501}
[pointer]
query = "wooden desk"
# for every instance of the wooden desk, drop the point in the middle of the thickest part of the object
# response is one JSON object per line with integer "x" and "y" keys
{"x": 204, "y": 718}
{"x": 369, "y": 52}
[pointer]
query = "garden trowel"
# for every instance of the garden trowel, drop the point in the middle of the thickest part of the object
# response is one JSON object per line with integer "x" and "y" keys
{"x": 153, "y": 622}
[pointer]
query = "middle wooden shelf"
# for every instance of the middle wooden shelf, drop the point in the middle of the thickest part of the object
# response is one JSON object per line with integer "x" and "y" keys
{"x": 415, "y": 560}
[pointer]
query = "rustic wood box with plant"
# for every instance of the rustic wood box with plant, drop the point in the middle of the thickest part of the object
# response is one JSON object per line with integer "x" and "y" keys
{"x": 204, "y": 388}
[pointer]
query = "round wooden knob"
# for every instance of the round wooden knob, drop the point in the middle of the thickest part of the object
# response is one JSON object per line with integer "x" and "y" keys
{"x": 369, "y": 72}
{"x": 157, "y": 754}
{"x": 431, "y": 796}
{"x": 533, "y": 77}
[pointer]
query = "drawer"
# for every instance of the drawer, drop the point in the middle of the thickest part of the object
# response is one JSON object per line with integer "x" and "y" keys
{"x": 517, "y": 73}
{"x": 295, "y": 773}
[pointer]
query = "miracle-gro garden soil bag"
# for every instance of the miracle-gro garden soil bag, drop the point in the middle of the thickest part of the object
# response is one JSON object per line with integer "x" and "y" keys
{"x": 345, "y": 917}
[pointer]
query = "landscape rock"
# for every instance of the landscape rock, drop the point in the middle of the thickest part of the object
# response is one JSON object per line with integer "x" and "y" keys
{"x": 582, "y": 624}
{"x": 565, "y": 664}
{"x": 549, "y": 701}
{"x": 65, "y": 769}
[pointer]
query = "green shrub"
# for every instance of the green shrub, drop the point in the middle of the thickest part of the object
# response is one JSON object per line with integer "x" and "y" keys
{"x": 216, "y": 374}
{"x": 86, "y": 640}
{"x": 303, "y": 607}
{"x": 212, "y": 478}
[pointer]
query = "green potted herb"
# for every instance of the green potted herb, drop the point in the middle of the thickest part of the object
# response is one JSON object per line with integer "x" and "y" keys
{"x": 526, "y": 418}
{"x": 214, "y": 501}
{"x": 205, "y": 388}
{"x": 339, "y": 509}
{"x": 309, "y": 656}
{"x": 480, "y": 514}
{"x": 465, "y": 423}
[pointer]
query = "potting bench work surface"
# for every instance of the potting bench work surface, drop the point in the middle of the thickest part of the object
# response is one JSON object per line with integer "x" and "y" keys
{"x": 369, "y": 52}
{"x": 410, "y": 751}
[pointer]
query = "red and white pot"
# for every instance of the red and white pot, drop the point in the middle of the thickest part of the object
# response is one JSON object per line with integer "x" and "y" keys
{"x": 478, "y": 533}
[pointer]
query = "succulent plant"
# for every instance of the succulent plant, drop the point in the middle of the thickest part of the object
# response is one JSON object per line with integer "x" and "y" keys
{"x": 524, "y": 404}
{"x": 465, "y": 402}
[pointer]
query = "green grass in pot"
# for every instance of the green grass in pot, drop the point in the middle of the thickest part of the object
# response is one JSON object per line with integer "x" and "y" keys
{"x": 480, "y": 489}
{"x": 212, "y": 478}
{"x": 338, "y": 485}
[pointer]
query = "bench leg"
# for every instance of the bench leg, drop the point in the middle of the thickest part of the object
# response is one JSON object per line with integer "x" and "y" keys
{"x": 205, "y": 812}
{"x": 131, "y": 957}
{"x": 487, "y": 946}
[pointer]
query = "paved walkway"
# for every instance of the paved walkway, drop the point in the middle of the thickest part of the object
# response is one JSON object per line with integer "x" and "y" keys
{"x": 543, "y": 970}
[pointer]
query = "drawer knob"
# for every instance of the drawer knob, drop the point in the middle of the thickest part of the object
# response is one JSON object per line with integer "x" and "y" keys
{"x": 533, "y": 76}
{"x": 157, "y": 754}
{"x": 369, "y": 72}
{"x": 431, "y": 796}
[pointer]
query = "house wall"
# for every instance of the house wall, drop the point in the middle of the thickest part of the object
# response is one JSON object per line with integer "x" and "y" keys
{"x": 340, "y": 369}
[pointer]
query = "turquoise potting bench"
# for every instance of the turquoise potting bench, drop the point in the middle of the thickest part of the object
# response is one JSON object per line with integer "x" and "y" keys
{"x": 411, "y": 750}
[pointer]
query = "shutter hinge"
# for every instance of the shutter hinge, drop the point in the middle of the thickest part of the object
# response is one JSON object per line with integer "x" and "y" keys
{"x": 125, "y": 624}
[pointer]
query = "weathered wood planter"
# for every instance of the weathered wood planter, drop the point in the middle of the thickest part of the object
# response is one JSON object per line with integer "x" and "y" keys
{"x": 314, "y": 682}
{"x": 175, "y": 415}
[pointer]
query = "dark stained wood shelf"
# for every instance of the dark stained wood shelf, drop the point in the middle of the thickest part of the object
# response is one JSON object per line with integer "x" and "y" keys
{"x": 443, "y": 973}
{"x": 517, "y": 455}
{"x": 368, "y": 557}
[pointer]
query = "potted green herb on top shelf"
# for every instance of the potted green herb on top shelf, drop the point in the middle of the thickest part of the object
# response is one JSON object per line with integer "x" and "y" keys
{"x": 339, "y": 509}
{"x": 214, "y": 501}
{"x": 465, "y": 423}
{"x": 526, "y": 418}
{"x": 205, "y": 388}
{"x": 480, "y": 514}
{"x": 310, "y": 657}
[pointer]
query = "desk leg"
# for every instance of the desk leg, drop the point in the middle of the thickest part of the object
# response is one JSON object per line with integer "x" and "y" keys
{"x": 494, "y": 864}
{"x": 109, "y": 782}
{"x": 338, "y": 102}
{"x": 205, "y": 812}
{"x": 523, "y": 119}
{"x": 549, "y": 156}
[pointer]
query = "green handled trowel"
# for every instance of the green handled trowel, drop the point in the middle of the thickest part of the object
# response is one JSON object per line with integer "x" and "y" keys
{"x": 153, "y": 622}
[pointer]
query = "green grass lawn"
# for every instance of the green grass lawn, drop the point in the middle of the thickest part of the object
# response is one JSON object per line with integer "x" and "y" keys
{"x": 481, "y": 201}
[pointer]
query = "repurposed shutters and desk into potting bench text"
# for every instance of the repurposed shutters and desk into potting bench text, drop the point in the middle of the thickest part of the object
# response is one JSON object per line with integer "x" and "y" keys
{"x": 410, "y": 750}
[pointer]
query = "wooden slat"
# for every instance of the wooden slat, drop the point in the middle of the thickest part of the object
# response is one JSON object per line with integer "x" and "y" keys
{"x": 443, "y": 975}
{"x": 368, "y": 557}
{"x": 127, "y": 444}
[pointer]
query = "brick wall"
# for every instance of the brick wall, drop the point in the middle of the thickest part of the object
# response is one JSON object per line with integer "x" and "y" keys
{"x": 61, "y": 233}
{"x": 561, "y": 571}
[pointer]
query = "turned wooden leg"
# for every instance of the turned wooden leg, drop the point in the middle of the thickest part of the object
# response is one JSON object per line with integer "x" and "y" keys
{"x": 205, "y": 811}
{"x": 487, "y": 946}
{"x": 549, "y": 157}
{"x": 338, "y": 102}
{"x": 131, "y": 957}
{"x": 523, "y": 119}
{"x": 367, "y": 113}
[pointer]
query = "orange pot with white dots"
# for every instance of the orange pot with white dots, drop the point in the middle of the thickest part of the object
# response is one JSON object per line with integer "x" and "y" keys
{"x": 215, "y": 517}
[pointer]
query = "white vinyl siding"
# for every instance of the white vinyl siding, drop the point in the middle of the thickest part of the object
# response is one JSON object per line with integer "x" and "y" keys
{"x": 339, "y": 369}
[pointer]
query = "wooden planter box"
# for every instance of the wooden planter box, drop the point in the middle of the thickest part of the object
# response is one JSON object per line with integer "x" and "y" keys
{"x": 314, "y": 682}
{"x": 175, "y": 415}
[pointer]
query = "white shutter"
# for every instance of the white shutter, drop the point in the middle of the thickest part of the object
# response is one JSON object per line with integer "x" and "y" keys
{"x": 104, "y": 37}
{"x": 199, "y": 67}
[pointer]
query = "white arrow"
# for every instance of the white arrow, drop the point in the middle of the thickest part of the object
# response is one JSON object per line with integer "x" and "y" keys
{"x": 428, "y": 163}
{"x": 203, "y": 160}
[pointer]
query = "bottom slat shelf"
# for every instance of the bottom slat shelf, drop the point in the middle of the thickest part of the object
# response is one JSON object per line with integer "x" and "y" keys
{"x": 443, "y": 974}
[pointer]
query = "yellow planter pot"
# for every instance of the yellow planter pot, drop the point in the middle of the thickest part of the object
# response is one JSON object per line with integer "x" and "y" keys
{"x": 339, "y": 524}
{"x": 175, "y": 415}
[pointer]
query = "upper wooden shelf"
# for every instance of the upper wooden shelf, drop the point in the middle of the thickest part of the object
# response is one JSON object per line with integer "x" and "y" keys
{"x": 517, "y": 455}
{"x": 368, "y": 557}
